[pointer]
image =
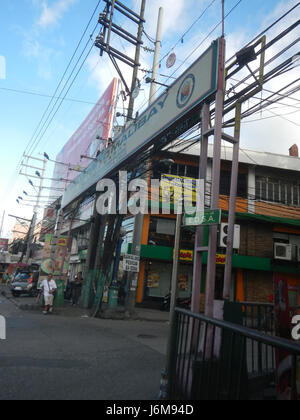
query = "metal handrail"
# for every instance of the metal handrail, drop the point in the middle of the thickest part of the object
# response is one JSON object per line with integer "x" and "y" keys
{"x": 281, "y": 343}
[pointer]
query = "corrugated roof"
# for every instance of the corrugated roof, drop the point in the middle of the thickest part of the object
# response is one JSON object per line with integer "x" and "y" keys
{"x": 249, "y": 157}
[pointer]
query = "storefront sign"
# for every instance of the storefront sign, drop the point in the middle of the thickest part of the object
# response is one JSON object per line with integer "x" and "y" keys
{"x": 206, "y": 218}
{"x": 170, "y": 111}
{"x": 186, "y": 255}
{"x": 183, "y": 283}
{"x": 221, "y": 259}
{"x": 178, "y": 186}
{"x": 153, "y": 280}
{"x": 131, "y": 263}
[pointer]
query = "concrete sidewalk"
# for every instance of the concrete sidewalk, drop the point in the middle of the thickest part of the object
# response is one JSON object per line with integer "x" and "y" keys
{"x": 143, "y": 314}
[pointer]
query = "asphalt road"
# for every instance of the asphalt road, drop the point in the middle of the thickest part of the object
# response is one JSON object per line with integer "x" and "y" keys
{"x": 74, "y": 358}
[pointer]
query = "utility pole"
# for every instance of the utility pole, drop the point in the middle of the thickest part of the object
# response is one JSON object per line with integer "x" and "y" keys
{"x": 137, "y": 60}
{"x": 37, "y": 205}
{"x": 2, "y": 223}
{"x": 158, "y": 40}
{"x": 103, "y": 42}
{"x": 139, "y": 218}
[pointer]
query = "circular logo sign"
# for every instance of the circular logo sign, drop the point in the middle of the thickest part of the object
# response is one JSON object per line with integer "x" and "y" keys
{"x": 185, "y": 91}
{"x": 171, "y": 60}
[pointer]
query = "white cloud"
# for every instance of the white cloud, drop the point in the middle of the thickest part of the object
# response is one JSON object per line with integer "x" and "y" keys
{"x": 52, "y": 14}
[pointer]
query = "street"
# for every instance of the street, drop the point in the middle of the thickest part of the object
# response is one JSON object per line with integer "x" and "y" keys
{"x": 78, "y": 358}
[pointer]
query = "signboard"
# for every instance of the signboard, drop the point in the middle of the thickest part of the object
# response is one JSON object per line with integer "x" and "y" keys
{"x": 47, "y": 264}
{"x": 206, "y": 218}
{"x": 187, "y": 256}
{"x": 172, "y": 114}
{"x": 175, "y": 193}
{"x": 131, "y": 263}
{"x": 48, "y": 222}
{"x": 84, "y": 141}
{"x": 221, "y": 259}
{"x": 3, "y": 245}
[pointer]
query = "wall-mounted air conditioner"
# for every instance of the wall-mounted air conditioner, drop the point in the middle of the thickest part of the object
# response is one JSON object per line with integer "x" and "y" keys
{"x": 283, "y": 252}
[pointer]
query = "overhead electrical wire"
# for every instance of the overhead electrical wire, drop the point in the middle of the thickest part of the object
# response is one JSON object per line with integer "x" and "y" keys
{"x": 31, "y": 141}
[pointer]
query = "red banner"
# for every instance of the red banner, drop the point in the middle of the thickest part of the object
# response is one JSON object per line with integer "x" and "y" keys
{"x": 284, "y": 312}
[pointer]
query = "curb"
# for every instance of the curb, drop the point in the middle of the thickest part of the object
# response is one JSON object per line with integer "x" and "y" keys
{"x": 108, "y": 314}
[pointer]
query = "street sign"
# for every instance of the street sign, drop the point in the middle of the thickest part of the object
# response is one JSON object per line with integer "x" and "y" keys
{"x": 131, "y": 263}
{"x": 166, "y": 119}
{"x": 206, "y": 218}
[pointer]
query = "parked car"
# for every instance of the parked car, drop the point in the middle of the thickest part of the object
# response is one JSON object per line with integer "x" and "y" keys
{"x": 23, "y": 284}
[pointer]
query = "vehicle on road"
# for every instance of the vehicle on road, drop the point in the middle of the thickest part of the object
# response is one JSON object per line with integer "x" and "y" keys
{"x": 24, "y": 283}
{"x": 184, "y": 303}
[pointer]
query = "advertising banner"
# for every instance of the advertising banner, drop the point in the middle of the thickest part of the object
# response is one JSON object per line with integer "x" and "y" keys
{"x": 3, "y": 245}
{"x": 47, "y": 266}
{"x": 284, "y": 312}
{"x": 172, "y": 114}
{"x": 48, "y": 222}
{"x": 84, "y": 141}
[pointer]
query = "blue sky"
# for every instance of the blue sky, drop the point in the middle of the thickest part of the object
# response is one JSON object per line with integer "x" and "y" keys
{"x": 39, "y": 37}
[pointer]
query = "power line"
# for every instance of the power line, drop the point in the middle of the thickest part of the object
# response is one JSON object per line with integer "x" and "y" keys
{"x": 43, "y": 95}
{"x": 14, "y": 176}
{"x": 41, "y": 133}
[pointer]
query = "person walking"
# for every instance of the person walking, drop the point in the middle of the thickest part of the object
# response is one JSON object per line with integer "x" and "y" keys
{"x": 48, "y": 288}
{"x": 76, "y": 285}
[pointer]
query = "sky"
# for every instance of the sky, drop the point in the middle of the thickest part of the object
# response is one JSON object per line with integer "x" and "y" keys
{"x": 39, "y": 38}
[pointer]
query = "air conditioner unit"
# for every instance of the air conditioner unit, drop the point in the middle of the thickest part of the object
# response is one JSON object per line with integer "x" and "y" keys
{"x": 283, "y": 252}
{"x": 224, "y": 236}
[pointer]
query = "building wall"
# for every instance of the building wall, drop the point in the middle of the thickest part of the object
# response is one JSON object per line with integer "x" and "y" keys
{"x": 258, "y": 286}
{"x": 256, "y": 240}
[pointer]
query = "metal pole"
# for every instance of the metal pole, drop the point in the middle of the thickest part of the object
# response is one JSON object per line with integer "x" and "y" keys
{"x": 232, "y": 204}
{"x": 223, "y": 18}
{"x": 35, "y": 212}
{"x": 197, "y": 277}
{"x": 174, "y": 285}
{"x": 153, "y": 88}
{"x": 139, "y": 219}
{"x": 2, "y": 223}
{"x": 213, "y": 235}
{"x": 137, "y": 60}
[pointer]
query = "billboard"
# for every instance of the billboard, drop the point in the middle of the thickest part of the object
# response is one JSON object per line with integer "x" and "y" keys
{"x": 172, "y": 114}
{"x": 84, "y": 141}
{"x": 48, "y": 222}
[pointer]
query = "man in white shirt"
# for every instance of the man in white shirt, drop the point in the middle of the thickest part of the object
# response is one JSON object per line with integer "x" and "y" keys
{"x": 48, "y": 287}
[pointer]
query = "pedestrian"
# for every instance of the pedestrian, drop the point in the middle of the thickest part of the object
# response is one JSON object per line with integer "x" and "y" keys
{"x": 49, "y": 288}
{"x": 76, "y": 285}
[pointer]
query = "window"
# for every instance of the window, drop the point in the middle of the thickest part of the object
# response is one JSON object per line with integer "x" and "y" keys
{"x": 225, "y": 183}
{"x": 161, "y": 232}
{"x": 192, "y": 172}
{"x": 277, "y": 191}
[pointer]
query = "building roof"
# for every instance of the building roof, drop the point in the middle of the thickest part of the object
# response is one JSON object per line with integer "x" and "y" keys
{"x": 249, "y": 157}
